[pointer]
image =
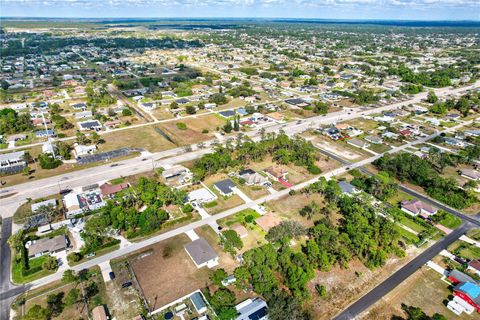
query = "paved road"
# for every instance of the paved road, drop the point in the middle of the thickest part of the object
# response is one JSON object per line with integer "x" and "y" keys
{"x": 398, "y": 277}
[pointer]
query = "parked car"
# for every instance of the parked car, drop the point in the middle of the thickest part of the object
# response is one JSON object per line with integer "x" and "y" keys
{"x": 127, "y": 284}
{"x": 111, "y": 274}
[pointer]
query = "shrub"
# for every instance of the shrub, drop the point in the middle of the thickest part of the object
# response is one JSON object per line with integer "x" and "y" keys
{"x": 181, "y": 126}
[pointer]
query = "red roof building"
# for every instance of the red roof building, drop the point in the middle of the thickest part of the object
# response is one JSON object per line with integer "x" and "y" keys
{"x": 469, "y": 292}
{"x": 109, "y": 190}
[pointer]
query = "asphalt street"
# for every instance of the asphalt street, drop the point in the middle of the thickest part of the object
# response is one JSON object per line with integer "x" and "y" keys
{"x": 398, "y": 277}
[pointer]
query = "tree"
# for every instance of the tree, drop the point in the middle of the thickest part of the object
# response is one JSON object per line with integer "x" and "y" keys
{"x": 236, "y": 123}
{"x": 218, "y": 276}
{"x": 310, "y": 210}
{"x": 81, "y": 138}
{"x": 230, "y": 241}
{"x": 95, "y": 137}
{"x": 26, "y": 171}
{"x": 47, "y": 161}
{"x": 37, "y": 313}
{"x": 285, "y": 230}
{"x": 72, "y": 297}
{"x": 69, "y": 276}
{"x": 432, "y": 97}
{"x": 242, "y": 278}
{"x": 126, "y": 112}
{"x": 55, "y": 304}
{"x": 282, "y": 304}
{"x": 50, "y": 263}
{"x": 321, "y": 290}
{"x": 222, "y": 298}
{"x": 49, "y": 212}
{"x": 228, "y": 127}
{"x": 174, "y": 105}
{"x": 190, "y": 110}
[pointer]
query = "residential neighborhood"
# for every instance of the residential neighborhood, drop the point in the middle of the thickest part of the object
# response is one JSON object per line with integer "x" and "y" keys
{"x": 242, "y": 169}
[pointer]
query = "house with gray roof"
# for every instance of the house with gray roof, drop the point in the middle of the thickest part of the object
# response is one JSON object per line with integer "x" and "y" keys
{"x": 225, "y": 187}
{"x": 201, "y": 253}
{"x": 47, "y": 246}
{"x": 252, "y": 309}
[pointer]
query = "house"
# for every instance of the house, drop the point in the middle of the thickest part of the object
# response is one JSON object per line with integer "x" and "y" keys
{"x": 298, "y": 102}
{"x": 457, "y": 276}
{"x": 227, "y": 113}
{"x": 45, "y": 133}
{"x": 225, "y": 187}
{"x": 390, "y": 135}
{"x": 347, "y": 188}
{"x": 79, "y": 106}
{"x": 198, "y": 302}
{"x": 83, "y": 150}
{"x": 90, "y": 125}
{"x": 73, "y": 205}
{"x": 358, "y": 143}
{"x": 469, "y": 292}
{"x": 374, "y": 139}
{"x": 176, "y": 171}
{"x": 276, "y": 173}
{"x": 406, "y": 133}
{"x": 333, "y": 133}
{"x": 17, "y": 137}
{"x": 112, "y": 124}
{"x": 201, "y": 253}
{"x": 109, "y": 190}
{"x": 201, "y": 195}
{"x": 252, "y": 178}
{"x": 240, "y": 230}
{"x": 252, "y": 309}
{"x": 268, "y": 221}
{"x": 51, "y": 202}
{"x": 472, "y": 133}
{"x": 47, "y": 246}
{"x": 455, "y": 142}
{"x": 149, "y": 106}
{"x": 83, "y": 114}
{"x": 229, "y": 280}
{"x": 474, "y": 266}
{"x": 470, "y": 174}
{"x": 99, "y": 313}
{"x": 277, "y": 116}
{"x": 416, "y": 207}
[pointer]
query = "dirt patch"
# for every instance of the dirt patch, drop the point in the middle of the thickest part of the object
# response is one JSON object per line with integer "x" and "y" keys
{"x": 167, "y": 273}
{"x": 345, "y": 286}
{"x": 194, "y": 129}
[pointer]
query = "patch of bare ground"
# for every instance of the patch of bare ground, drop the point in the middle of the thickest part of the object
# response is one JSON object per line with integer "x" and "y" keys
{"x": 345, "y": 286}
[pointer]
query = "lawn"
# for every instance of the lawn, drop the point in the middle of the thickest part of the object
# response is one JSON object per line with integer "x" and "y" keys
{"x": 379, "y": 148}
{"x": 240, "y": 218}
{"x": 450, "y": 221}
{"x": 410, "y": 223}
{"x": 195, "y": 128}
{"x": 35, "y": 264}
{"x": 408, "y": 236}
{"x": 144, "y": 137}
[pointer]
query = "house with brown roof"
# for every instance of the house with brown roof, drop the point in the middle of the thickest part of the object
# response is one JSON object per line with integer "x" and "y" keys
{"x": 240, "y": 230}
{"x": 276, "y": 172}
{"x": 474, "y": 266}
{"x": 99, "y": 313}
{"x": 109, "y": 190}
{"x": 268, "y": 221}
{"x": 47, "y": 246}
{"x": 417, "y": 207}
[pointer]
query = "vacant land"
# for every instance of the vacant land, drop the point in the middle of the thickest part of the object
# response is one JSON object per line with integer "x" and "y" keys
{"x": 288, "y": 207}
{"x": 344, "y": 286}
{"x": 198, "y": 129}
{"x": 424, "y": 289}
{"x": 142, "y": 137}
{"x": 166, "y": 272}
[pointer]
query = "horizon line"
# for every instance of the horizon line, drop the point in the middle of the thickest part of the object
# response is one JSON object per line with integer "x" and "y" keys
{"x": 241, "y": 18}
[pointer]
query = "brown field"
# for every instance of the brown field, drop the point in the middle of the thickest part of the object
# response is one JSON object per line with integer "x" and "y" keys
{"x": 165, "y": 279}
{"x": 193, "y": 133}
{"x": 345, "y": 286}
{"x": 424, "y": 289}
{"x": 144, "y": 137}
{"x": 289, "y": 206}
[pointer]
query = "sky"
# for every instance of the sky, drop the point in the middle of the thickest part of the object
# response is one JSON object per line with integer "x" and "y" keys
{"x": 321, "y": 9}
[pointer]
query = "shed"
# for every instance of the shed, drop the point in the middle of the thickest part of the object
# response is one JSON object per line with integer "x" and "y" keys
{"x": 198, "y": 302}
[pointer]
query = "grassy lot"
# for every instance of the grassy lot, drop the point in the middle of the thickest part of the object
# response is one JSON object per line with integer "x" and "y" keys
{"x": 398, "y": 197}
{"x": 363, "y": 124}
{"x": 240, "y": 218}
{"x": 253, "y": 192}
{"x": 289, "y": 206}
{"x": 142, "y": 137}
{"x": 450, "y": 221}
{"x": 408, "y": 236}
{"x": 410, "y": 223}
{"x": 18, "y": 275}
{"x": 465, "y": 250}
{"x": 379, "y": 148}
{"x": 424, "y": 289}
{"x": 194, "y": 131}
